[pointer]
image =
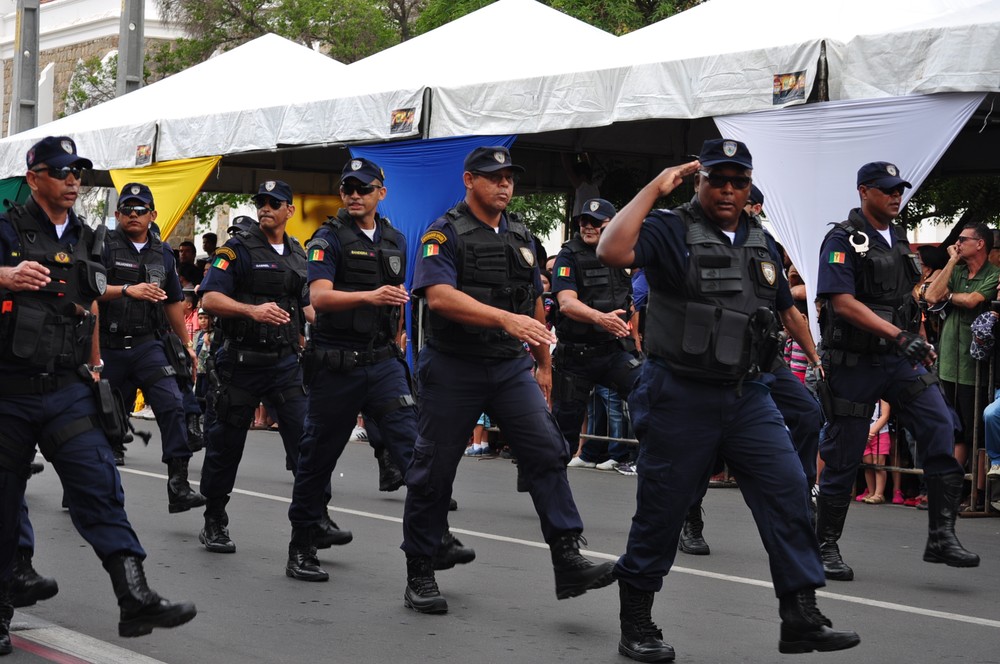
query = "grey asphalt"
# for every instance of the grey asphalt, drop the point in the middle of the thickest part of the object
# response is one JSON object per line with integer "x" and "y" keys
{"x": 502, "y": 607}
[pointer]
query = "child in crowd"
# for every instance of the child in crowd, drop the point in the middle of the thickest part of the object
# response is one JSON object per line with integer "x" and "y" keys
{"x": 875, "y": 453}
{"x": 203, "y": 349}
{"x": 480, "y": 439}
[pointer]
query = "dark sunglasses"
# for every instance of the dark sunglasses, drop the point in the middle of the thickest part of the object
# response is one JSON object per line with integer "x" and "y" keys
{"x": 351, "y": 188}
{"x": 139, "y": 210}
{"x": 889, "y": 191}
{"x": 496, "y": 177}
{"x": 963, "y": 238}
{"x": 587, "y": 220}
{"x": 268, "y": 201}
{"x": 60, "y": 173}
{"x": 719, "y": 181}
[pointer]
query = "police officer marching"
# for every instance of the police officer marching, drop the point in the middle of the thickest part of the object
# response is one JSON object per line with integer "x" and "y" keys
{"x": 257, "y": 288}
{"x": 710, "y": 336}
{"x": 354, "y": 363}
{"x": 51, "y": 278}
{"x": 480, "y": 277}
{"x": 872, "y": 351}
{"x": 142, "y": 303}
{"x": 595, "y": 342}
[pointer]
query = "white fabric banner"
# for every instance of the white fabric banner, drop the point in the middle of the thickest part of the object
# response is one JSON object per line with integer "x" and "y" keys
{"x": 806, "y": 159}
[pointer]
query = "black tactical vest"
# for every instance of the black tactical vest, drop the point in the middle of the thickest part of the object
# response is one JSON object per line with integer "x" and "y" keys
{"x": 274, "y": 277}
{"x": 498, "y": 270}
{"x": 51, "y": 329}
{"x": 363, "y": 266}
{"x": 883, "y": 281}
{"x": 127, "y": 316}
{"x": 705, "y": 330}
{"x": 600, "y": 287}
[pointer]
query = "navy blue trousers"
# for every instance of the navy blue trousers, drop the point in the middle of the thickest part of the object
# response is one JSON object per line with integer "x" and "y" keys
{"x": 681, "y": 426}
{"x": 225, "y": 441}
{"x": 454, "y": 391}
{"x": 335, "y": 399}
{"x": 85, "y": 465}
{"x": 140, "y": 367}
{"x": 892, "y": 378}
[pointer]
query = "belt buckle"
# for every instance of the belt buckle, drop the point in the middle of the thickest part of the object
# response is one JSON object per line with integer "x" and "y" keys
{"x": 127, "y": 340}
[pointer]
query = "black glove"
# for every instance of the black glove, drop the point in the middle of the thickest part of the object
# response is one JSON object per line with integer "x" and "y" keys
{"x": 914, "y": 347}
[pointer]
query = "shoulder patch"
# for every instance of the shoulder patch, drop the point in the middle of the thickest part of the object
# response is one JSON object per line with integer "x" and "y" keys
{"x": 433, "y": 236}
{"x": 225, "y": 252}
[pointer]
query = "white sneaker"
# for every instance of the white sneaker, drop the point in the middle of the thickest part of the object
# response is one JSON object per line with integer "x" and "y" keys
{"x": 577, "y": 462}
{"x": 145, "y": 414}
{"x": 994, "y": 470}
{"x": 610, "y": 464}
{"x": 359, "y": 435}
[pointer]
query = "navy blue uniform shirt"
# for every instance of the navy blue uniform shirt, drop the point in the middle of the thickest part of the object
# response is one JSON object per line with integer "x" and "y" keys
{"x": 838, "y": 261}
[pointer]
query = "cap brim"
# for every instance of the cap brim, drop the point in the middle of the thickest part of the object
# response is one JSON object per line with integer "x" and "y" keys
{"x": 59, "y": 161}
{"x": 363, "y": 179}
{"x": 716, "y": 162}
{"x": 498, "y": 167}
{"x": 887, "y": 182}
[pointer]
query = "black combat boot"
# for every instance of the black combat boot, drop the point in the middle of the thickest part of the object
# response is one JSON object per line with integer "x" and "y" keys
{"x": 215, "y": 534}
{"x": 691, "y": 541}
{"x": 326, "y": 533}
{"x": 831, "y": 511}
{"x": 451, "y": 553}
{"x": 28, "y": 586}
{"x": 6, "y": 613}
{"x": 141, "y": 608}
{"x": 180, "y": 496}
{"x": 302, "y": 561}
{"x": 118, "y": 450}
{"x": 196, "y": 437}
{"x": 805, "y": 629}
{"x": 944, "y": 492}
{"x": 641, "y": 639}
{"x": 422, "y": 594}
{"x": 575, "y": 574}
{"x": 37, "y": 467}
{"x": 389, "y": 476}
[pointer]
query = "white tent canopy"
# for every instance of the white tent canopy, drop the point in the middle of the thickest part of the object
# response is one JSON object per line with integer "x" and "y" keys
{"x": 187, "y": 114}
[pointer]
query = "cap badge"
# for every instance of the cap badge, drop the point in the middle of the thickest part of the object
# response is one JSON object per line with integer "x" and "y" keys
{"x": 135, "y": 189}
{"x": 729, "y": 148}
{"x": 67, "y": 146}
{"x": 500, "y": 157}
{"x": 528, "y": 255}
{"x": 356, "y": 165}
{"x": 594, "y": 205}
{"x": 891, "y": 170}
{"x": 270, "y": 185}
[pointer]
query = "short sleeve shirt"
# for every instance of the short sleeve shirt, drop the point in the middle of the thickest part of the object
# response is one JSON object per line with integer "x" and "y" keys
{"x": 956, "y": 364}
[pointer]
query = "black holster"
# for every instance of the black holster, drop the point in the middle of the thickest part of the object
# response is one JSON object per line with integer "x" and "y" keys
{"x": 178, "y": 358}
{"x": 111, "y": 413}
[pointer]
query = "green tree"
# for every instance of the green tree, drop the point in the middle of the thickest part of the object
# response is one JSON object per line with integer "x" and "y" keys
{"x": 541, "y": 212}
{"x": 954, "y": 200}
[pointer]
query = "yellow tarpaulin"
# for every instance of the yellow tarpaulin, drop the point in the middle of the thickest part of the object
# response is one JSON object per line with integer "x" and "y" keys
{"x": 174, "y": 185}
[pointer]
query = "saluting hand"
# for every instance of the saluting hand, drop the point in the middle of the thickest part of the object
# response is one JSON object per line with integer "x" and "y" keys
{"x": 389, "y": 295}
{"x": 270, "y": 314}
{"x": 671, "y": 178}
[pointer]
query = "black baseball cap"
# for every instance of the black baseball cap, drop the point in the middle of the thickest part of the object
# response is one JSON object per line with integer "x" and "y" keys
{"x": 881, "y": 174}
{"x": 598, "y": 208}
{"x": 56, "y": 152}
{"x": 136, "y": 191}
{"x": 756, "y": 195}
{"x": 363, "y": 170}
{"x": 717, "y": 151}
{"x": 276, "y": 189}
{"x": 489, "y": 159}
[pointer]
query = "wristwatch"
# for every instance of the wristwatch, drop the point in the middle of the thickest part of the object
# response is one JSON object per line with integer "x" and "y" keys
{"x": 96, "y": 368}
{"x": 124, "y": 288}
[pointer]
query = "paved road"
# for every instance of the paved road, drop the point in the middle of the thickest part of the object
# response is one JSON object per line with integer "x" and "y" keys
{"x": 502, "y": 606}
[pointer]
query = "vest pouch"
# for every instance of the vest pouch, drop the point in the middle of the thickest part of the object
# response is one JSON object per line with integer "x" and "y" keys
{"x": 596, "y": 277}
{"x": 699, "y": 322}
{"x": 27, "y": 331}
{"x": 392, "y": 267}
{"x": 731, "y": 335}
{"x": 883, "y": 274}
{"x": 489, "y": 264}
{"x": 93, "y": 279}
{"x": 363, "y": 269}
{"x": 719, "y": 275}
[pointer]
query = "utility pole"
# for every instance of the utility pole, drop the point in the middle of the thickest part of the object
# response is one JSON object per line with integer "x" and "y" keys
{"x": 131, "y": 37}
{"x": 24, "y": 105}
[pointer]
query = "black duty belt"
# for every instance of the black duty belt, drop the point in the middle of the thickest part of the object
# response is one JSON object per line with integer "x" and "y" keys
{"x": 589, "y": 350}
{"x": 337, "y": 359}
{"x": 124, "y": 342}
{"x": 248, "y": 357}
{"x": 15, "y": 386}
